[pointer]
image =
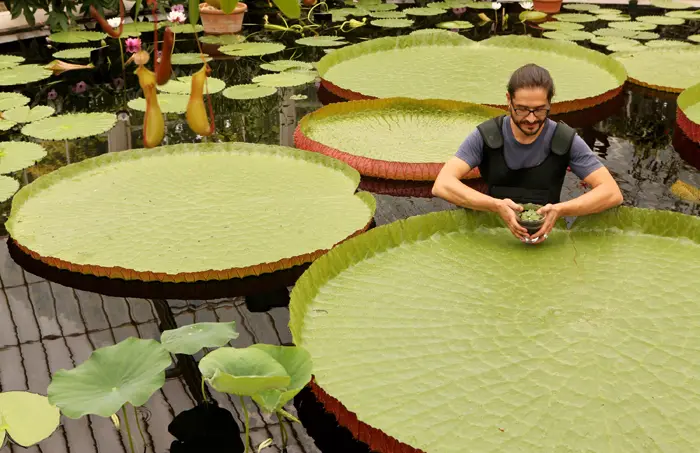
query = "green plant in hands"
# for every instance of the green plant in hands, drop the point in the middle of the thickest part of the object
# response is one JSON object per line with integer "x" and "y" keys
{"x": 530, "y": 215}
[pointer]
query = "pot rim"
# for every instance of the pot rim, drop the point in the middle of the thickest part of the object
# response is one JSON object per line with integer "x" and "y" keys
{"x": 205, "y": 8}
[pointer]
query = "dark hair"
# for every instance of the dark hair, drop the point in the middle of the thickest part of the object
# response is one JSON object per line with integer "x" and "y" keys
{"x": 531, "y": 76}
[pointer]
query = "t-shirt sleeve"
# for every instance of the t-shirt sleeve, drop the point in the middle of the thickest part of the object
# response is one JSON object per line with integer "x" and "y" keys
{"x": 472, "y": 149}
{"x": 583, "y": 159}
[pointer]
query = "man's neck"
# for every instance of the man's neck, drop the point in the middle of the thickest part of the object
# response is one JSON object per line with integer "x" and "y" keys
{"x": 520, "y": 136}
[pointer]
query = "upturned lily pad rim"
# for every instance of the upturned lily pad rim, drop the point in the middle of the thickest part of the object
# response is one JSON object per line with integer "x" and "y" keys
{"x": 690, "y": 126}
{"x": 48, "y": 180}
{"x": 395, "y": 170}
{"x": 416, "y": 228}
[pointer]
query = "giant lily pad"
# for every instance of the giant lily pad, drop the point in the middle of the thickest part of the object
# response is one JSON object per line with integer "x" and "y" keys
{"x": 615, "y": 17}
{"x": 119, "y": 214}
{"x": 392, "y": 138}
{"x": 244, "y": 372}
{"x": 651, "y": 68}
{"x": 127, "y": 372}
{"x": 183, "y": 85}
{"x": 77, "y": 37}
{"x": 646, "y": 35}
{"x": 70, "y": 126}
{"x": 186, "y": 28}
{"x": 407, "y": 328}
{"x": 24, "y": 114}
{"x": 8, "y": 187}
{"x": 455, "y": 24}
{"x": 11, "y": 100}
{"x": 285, "y": 79}
{"x": 385, "y": 6}
{"x": 135, "y": 29}
{"x": 689, "y": 15}
{"x": 192, "y": 338}
{"x": 569, "y": 35}
{"x": 668, "y": 43}
{"x": 27, "y": 418}
{"x": 15, "y": 156}
{"x": 248, "y": 91}
{"x": 615, "y": 32}
{"x": 394, "y": 67}
{"x": 23, "y": 74}
{"x": 250, "y": 49}
{"x": 297, "y": 364}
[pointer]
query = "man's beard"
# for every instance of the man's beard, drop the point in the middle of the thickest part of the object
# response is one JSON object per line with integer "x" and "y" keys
{"x": 540, "y": 123}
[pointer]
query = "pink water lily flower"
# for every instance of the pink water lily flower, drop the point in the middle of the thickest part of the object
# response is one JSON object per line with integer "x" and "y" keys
{"x": 79, "y": 87}
{"x": 51, "y": 95}
{"x": 459, "y": 11}
{"x": 180, "y": 8}
{"x": 133, "y": 45}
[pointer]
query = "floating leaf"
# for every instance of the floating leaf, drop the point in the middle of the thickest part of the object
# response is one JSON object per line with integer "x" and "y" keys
{"x": 283, "y": 65}
{"x": 581, "y": 6}
{"x": 135, "y": 29}
{"x": 686, "y": 191}
{"x": 636, "y": 26}
{"x": 26, "y": 417}
{"x": 609, "y": 40}
{"x": 250, "y": 49}
{"x": 76, "y": 37}
{"x": 168, "y": 102}
{"x": 575, "y": 17}
{"x": 532, "y": 16}
{"x": 392, "y": 23}
{"x": 357, "y": 12}
{"x": 625, "y": 47}
{"x": 322, "y": 41}
{"x": 297, "y": 364}
{"x": 423, "y": 11}
{"x": 11, "y": 100}
{"x": 10, "y": 61}
{"x": 243, "y": 372}
{"x": 455, "y": 24}
{"x": 651, "y": 67}
{"x": 192, "y": 338}
{"x": 15, "y": 156}
{"x": 383, "y": 7}
{"x": 615, "y": 17}
{"x": 615, "y": 32}
{"x": 183, "y": 85}
{"x": 76, "y": 53}
{"x": 6, "y": 125}
{"x": 661, "y": 20}
{"x": 563, "y": 26}
{"x": 644, "y": 35}
{"x": 284, "y": 79}
{"x": 248, "y": 91}
{"x": 223, "y": 40}
{"x": 70, "y": 126}
{"x": 23, "y": 74}
{"x": 8, "y": 187}
{"x": 388, "y": 14}
{"x": 671, "y": 4}
{"x": 694, "y": 38}
{"x": 186, "y": 28}
{"x": 189, "y": 58}
{"x": 439, "y": 4}
{"x": 689, "y": 15}
{"x": 569, "y": 35}
{"x": 606, "y": 11}
{"x": 127, "y": 372}
{"x": 668, "y": 43}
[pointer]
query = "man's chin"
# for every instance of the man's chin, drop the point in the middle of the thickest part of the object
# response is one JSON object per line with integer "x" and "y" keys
{"x": 530, "y": 129}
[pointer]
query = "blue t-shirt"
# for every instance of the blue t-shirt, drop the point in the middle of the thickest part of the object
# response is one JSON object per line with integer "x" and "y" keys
{"x": 583, "y": 161}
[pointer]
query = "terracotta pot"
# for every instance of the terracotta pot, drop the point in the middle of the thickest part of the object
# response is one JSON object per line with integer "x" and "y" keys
{"x": 547, "y": 6}
{"x": 215, "y": 22}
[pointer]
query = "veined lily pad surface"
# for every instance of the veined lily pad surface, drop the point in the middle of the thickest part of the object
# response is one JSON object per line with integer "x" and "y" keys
{"x": 190, "y": 212}
{"x": 15, "y": 156}
{"x": 395, "y": 138}
{"x": 651, "y": 67}
{"x": 477, "y": 335}
{"x": 394, "y": 67}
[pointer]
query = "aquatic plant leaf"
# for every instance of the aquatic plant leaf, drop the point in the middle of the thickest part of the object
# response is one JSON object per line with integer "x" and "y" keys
{"x": 645, "y": 35}
{"x": 615, "y": 32}
{"x": 689, "y": 15}
{"x": 578, "y": 18}
{"x": 668, "y": 43}
{"x": 23, "y": 74}
{"x": 440, "y": 4}
{"x": 357, "y": 12}
{"x": 637, "y": 26}
{"x": 455, "y": 24}
{"x": 76, "y": 37}
{"x": 250, "y": 49}
{"x": 694, "y": 38}
{"x": 297, "y": 364}
{"x": 183, "y": 85}
{"x": 27, "y": 418}
{"x": 243, "y": 372}
{"x": 432, "y": 31}
{"x": 528, "y": 357}
{"x": 135, "y": 29}
{"x": 192, "y": 338}
{"x": 626, "y": 47}
{"x": 581, "y": 6}
{"x": 615, "y": 17}
{"x": 423, "y": 11}
{"x": 6, "y": 125}
{"x": 111, "y": 214}
{"x": 569, "y": 35}
{"x": 606, "y": 11}
{"x": 661, "y": 20}
{"x": 322, "y": 41}
{"x": 222, "y": 40}
{"x": 186, "y": 28}
{"x": 189, "y": 58}
{"x": 671, "y": 4}
{"x": 392, "y": 23}
{"x": 8, "y": 187}
{"x": 284, "y": 79}
{"x": 70, "y": 126}
{"x": 11, "y": 100}
{"x": 168, "y": 102}
{"x": 388, "y": 14}
{"x": 249, "y": 91}
{"x": 609, "y": 40}
{"x": 283, "y": 65}
{"x": 127, "y": 372}
{"x": 532, "y": 16}
{"x": 395, "y": 138}
{"x": 10, "y": 61}
{"x": 563, "y": 26}
{"x": 15, "y": 156}
{"x": 650, "y": 67}
{"x": 384, "y": 7}
{"x": 290, "y": 8}
{"x": 477, "y": 4}
{"x": 76, "y": 53}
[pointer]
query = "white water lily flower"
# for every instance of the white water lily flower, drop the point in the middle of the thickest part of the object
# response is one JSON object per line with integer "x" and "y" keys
{"x": 176, "y": 16}
{"x": 495, "y": 5}
{"x": 527, "y": 5}
{"x": 114, "y": 22}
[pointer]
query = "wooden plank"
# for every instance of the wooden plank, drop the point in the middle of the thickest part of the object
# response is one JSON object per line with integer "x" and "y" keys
{"x": 12, "y": 372}
{"x": 8, "y": 334}
{"x": 22, "y": 313}
{"x": 67, "y": 310}
{"x": 117, "y": 310}
{"x": 10, "y": 272}
{"x": 42, "y": 300}
{"x": 90, "y": 305}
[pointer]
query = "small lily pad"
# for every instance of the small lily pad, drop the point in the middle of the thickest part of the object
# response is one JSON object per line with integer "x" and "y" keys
{"x": 569, "y": 35}
{"x": 661, "y": 20}
{"x": 128, "y": 372}
{"x": 388, "y": 14}
{"x": 423, "y": 11}
{"x": 644, "y": 35}
{"x": 440, "y": 4}
{"x": 15, "y": 156}
{"x": 625, "y": 47}
{"x": 670, "y": 4}
{"x": 609, "y": 40}
{"x": 668, "y": 43}
{"x": 455, "y": 24}
{"x": 689, "y": 15}
{"x": 284, "y": 79}
{"x": 581, "y": 6}
{"x": 24, "y": 114}
{"x": 297, "y": 364}
{"x": 8, "y": 187}
{"x": 6, "y": 125}
{"x": 322, "y": 41}
{"x": 222, "y": 40}
{"x": 694, "y": 38}
{"x": 283, "y": 65}
{"x": 564, "y": 26}
{"x": 186, "y": 28}
{"x": 23, "y": 74}
{"x": 10, "y": 61}
{"x": 578, "y": 18}
{"x": 11, "y": 100}
{"x": 243, "y": 372}
{"x": 248, "y": 91}
{"x": 392, "y": 23}
{"x": 28, "y": 418}
{"x": 532, "y": 16}
{"x": 77, "y": 37}
{"x": 357, "y": 12}
{"x": 192, "y": 338}
{"x": 70, "y": 126}
{"x": 251, "y": 49}
{"x": 188, "y": 58}
{"x": 168, "y": 103}
{"x": 615, "y": 17}
{"x": 382, "y": 7}
{"x": 636, "y": 26}
{"x": 615, "y": 32}
{"x": 183, "y": 85}
{"x": 77, "y": 53}
{"x": 606, "y": 11}
{"x": 135, "y": 29}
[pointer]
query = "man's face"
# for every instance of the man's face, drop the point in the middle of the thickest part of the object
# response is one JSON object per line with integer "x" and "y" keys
{"x": 529, "y": 109}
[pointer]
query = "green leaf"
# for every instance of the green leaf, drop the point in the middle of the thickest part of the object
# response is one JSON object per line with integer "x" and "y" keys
{"x": 76, "y": 53}
{"x": 626, "y": 47}
{"x": 458, "y": 24}
{"x": 135, "y": 29}
{"x": 636, "y": 26}
{"x": 227, "y": 6}
{"x": 532, "y": 16}
{"x": 8, "y": 187}
{"x": 322, "y": 41}
{"x": 189, "y": 58}
{"x": 137, "y": 11}
{"x": 284, "y": 65}
{"x": 284, "y": 79}
{"x": 24, "y": 114}
{"x": 578, "y": 18}
{"x": 23, "y": 74}
{"x": 249, "y": 49}
{"x": 222, "y": 40}
{"x": 249, "y": 91}
{"x": 609, "y": 40}
{"x": 569, "y": 35}
{"x": 581, "y": 7}
{"x": 671, "y": 4}
{"x": 606, "y": 11}
{"x": 615, "y": 17}
{"x": 15, "y": 156}
{"x": 385, "y": 6}
{"x": 694, "y": 38}
{"x": 193, "y": 11}
{"x": 6, "y": 125}
{"x": 11, "y": 100}
{"x": 650, "y": 67}
{"x": 615, "y": 32}
{"x": 192, "y": 338}
{"x": 297, "y": 364}
{"x": 423, "y": 11}
{"x": 689, "y": 15}
{"x": 661, "y": 20}
{"x": 70, "y": 126}
{"x": 563, "y": 26}
{"x": 668, "y": 43}
{"x": 243, "y": 372}
{"x": 183, "y": 85}
{"x": 168, "y": 103}
{"x": 76, "y": 37}
{"x": 28, "y": 418}
{"x": 290, "y": 8}
{"x": 646, "y": 35}
{"x": 127, "y": 372}
{"x": 10, "y": 61}
{"x": 185, "y": 28}
{"x": 388, "y": 14}
{"x": 392, "y": 23}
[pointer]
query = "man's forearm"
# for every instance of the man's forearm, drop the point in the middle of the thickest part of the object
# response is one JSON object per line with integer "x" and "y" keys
{"x": 454, "y": 191}
{"x": 596, "y": 200}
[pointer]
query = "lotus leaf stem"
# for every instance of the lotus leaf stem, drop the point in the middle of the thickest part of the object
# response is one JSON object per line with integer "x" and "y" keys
{"x": 283, "y": 431}
{"x": 138, "y": 425}
{"x": 247, "y": 424}
{"x": 128, "y": 429}
{"x": 204, "y": 393}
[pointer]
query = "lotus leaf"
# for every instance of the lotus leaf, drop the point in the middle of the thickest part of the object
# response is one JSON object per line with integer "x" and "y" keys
{"x": 290, "y": 8}
{"x": 661, "y": 20}
{"x": 76, "y": 53}
{"x": 76, "y": 37}
{"x": 192, "y": 338}
{"x": 249, "y": 91}
{"x": 532, "y": 16}
{"x": 423, "y": 11}
{"x": 498, "y": 351}
{"x": 23, "y": 74}
{"x": 127, "y": 372}
{"x": 645, "y": 35}
{"x": 283, "y": 65}
{"x": 27, "y": 418}
{"x": 168, "y": 102}
{"x": 694, "y": 38}
{"x": 575, "y": 17}
{"x": 563, "y": 26}
{"x": 297, "y": 364}
{"x": 455, "y": 24}
{"x": 384, "y": 7}
{"x": 636, "y": 26}
{"x": 671, "y": 4}
{"x": 651, "y": 67}
{"x": 569, "y": 35}
{"x": 222, "y": 40}
{"x": 388, "y": 14}
{"x": 606, "y": 11}
{"x": 668, "y": 43}
{"x": 70, "y": 126}
{"x": 10, "y": 61}
{"x": 11, "y": 100}
{"x": 183, "y": 85}
{"x": 322, "y": 41}
{"x": 243, "y": 372}
{"x": 186, "y": 28}
{"x": 15, "y": 156}
{"x": 8, "y": 187}
{"x": 126, "y": 202}
{"x": 686, "y": 191}
{"x": 615, "y": 17}
{"x": 284, "y": 79}
{"x": 189, "y": 58}
{"x": 24, "y": 114}
{"x": 475, "y": 4}
{"x": 581, "y": 6}
{"x": 249, "y": 49}
{"x": 689, "y": 15}
{"x": 392, "y": 23}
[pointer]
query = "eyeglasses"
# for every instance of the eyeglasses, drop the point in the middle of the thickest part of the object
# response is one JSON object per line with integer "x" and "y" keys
{"x": 522, "y": 112}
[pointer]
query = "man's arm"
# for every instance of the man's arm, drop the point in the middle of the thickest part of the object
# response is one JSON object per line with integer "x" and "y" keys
{"x": 605, "y": 194}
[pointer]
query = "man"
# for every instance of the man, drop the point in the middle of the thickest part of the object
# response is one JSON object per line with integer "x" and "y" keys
{"x": 523, "y": 157}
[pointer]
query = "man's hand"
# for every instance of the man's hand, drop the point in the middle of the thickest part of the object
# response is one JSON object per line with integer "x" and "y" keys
{"x": 552, "y": 214}
{"x": 507, "y": 209}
